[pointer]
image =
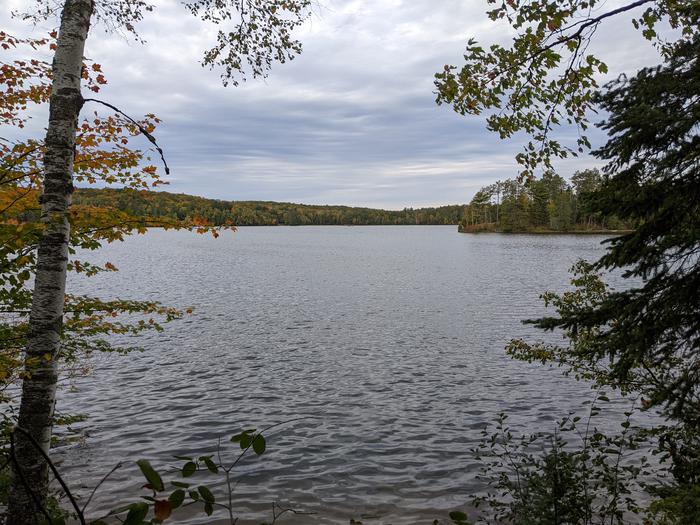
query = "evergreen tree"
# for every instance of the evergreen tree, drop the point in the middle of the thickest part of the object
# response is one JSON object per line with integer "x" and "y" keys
{"x": 647, "y": 337}
{"x": 539, "y": 212}
{"x": 586, "y": 182}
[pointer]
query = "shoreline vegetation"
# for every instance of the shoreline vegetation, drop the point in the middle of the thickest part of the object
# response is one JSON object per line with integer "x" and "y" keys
{"x": 494, "y": 202}
{"x": 215, "y": 212}
{"x": 549, "y": 205}
{"x": 488, "y": 228}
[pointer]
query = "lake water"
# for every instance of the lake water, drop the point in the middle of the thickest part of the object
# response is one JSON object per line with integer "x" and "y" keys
{"x": 388, "y": 339}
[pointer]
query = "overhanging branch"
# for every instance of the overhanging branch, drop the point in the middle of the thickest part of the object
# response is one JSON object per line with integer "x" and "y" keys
{"x": 143, "y": 130}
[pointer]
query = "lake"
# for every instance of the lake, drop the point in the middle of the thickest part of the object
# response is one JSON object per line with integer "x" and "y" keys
{"x": 389, "y": 340}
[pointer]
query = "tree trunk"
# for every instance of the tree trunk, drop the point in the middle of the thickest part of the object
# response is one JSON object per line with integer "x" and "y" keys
{"x": 46, "y": 317}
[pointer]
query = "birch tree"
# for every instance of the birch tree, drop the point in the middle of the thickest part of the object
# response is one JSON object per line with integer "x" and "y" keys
{"x": 262, "y": 35}
{"x": 46, "y": 318}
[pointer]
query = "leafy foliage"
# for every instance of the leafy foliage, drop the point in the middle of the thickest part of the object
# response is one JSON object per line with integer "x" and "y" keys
{"x": 646, "y": 337}
{"x": 40, "y": 245}
{"x": 262, "y": 34}
{"x": 652, "y": 329}
{"x": 546, "y": 77}
{"x": 104, "y": 154}
{"x": 256, "y": 33}
{"x": 192, "y": 484}
{"x": 573, "y": 475}
{"x": 675, "y": 445}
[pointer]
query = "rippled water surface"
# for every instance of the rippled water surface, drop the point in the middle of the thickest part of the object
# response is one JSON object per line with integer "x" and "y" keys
{"x": 389, "y": 339}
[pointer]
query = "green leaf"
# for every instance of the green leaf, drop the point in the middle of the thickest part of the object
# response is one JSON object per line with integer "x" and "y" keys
{"x": 206, "y": 494}
{"x": 137, "y": 513}
{"x": 176, "y": 498}
{"x": 246, "y": 440}
{"x": 208, "y": 508}
{"x": 188, "y": 469}
{"x": 259, "y": 444}
{"x": 244, "y": 435}
{"x": 183, "y": 458}
{"x": 194, "y": 495}
{"x": 151, "y": 475}
{"x": 180, "y": 484}
{"x": 459, "y": 517}
{"x": 210, "y": 465}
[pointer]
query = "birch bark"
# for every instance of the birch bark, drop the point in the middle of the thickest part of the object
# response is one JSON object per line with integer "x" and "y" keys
{"x": 46, "y": 317}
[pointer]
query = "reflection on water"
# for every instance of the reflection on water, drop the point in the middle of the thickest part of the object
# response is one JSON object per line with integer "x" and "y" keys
{"x": 389, "y": 339}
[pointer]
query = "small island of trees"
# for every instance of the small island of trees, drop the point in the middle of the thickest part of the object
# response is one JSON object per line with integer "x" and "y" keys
{"x": 546, "y": 205}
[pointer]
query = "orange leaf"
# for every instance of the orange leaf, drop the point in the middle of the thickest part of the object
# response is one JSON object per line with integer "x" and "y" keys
{"x": 162, "y": 509}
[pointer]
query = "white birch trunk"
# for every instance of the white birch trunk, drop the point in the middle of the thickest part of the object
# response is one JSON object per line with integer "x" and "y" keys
{"x": 46, "y": 317}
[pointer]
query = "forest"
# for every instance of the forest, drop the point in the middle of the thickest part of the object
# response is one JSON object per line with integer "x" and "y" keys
{"x": 547, "y": 204}
{"x": 178, "y": 207}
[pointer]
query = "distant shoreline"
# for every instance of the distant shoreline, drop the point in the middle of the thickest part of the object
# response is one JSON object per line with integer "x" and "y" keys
{"x": 213, "y": 212}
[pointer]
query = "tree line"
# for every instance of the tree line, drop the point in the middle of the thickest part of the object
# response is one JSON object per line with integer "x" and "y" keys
{"x": 549, "y": 203}
{"x": 181, "y": 207}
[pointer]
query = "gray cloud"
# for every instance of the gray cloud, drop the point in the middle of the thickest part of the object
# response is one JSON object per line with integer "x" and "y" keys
{"x": 351, "y": 121}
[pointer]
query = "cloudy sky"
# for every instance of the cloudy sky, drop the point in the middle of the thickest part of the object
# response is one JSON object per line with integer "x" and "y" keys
{"x": 351, "y": 121}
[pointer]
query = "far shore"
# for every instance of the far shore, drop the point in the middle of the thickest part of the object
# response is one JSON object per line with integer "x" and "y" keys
{"x": 552, "y": 232}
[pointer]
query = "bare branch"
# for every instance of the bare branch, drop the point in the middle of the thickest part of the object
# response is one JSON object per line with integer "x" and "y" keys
{"x": 143, "y": 130}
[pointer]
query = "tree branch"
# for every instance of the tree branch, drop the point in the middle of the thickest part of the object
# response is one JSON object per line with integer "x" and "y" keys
{"x": 588, "y": 23}
{"x": 578, "y": 34}
{"x": 143, "y": 130}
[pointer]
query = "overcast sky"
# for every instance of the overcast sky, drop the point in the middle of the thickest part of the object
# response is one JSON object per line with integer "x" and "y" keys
{"x": 351, "y": 121}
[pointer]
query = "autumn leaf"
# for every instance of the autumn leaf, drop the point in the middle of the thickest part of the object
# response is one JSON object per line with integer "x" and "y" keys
{"x": 162, "y": 509}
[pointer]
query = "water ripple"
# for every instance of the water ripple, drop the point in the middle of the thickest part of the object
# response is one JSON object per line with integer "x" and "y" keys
{"x": 390, "y": 340}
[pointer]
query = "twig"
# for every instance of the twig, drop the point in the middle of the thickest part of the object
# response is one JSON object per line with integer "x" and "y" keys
{"x": 118, "y": 465}
{"x": 275, "y": 515}
{"x": 228, "y": 482}
{"x": 230, "y": 468}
